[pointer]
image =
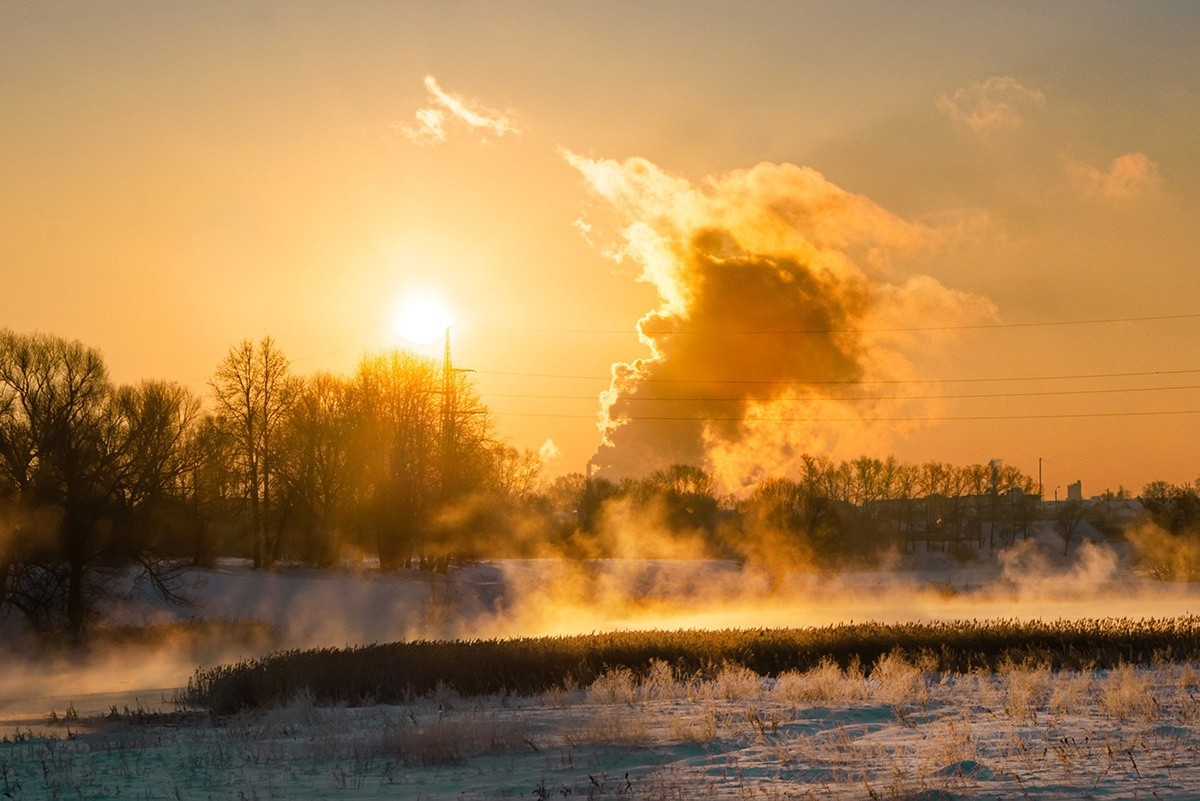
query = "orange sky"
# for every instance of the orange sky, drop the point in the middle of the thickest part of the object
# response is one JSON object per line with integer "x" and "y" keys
{"x": 177, "y": 177}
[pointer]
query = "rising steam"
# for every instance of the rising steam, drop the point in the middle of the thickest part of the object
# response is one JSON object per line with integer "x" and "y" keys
{"x": 780, "y": 300}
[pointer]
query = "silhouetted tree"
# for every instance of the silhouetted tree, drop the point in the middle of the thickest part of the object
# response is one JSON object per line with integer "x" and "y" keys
{"x": 315, "y": 466}
{"x": 594, "y": 493}
{"x": 514, "y": 473}
{"x": 472, "y": 478}
{"x": 1070, "y": 516}
{"x": 687, "y": 495}
{"x": 1011, "y": 498}
{"x": 215, "y": 493}
{"x": 253, "y": 389}
{"x": 907, "y": 478}
{"x": 564, "y": 498}
{"x": 796, "y": 516}
{"x": 156, "y": 521}
{"x": 872, "y": 482}
{"x": 1173, "y": 507}
{"x": 74, "y": 438}
{"x": 397, "y": 450}
{"x": 79, "y": 458}
{"x": 500, "y": 513}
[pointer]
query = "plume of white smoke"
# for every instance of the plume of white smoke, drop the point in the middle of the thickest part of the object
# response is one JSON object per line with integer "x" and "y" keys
{"x": 549, "y": 450}
{"x": 780, "y": 305}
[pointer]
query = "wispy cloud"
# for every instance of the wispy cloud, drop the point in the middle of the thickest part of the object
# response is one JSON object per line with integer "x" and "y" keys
{"x": 1127, "y": 177}
{"x": 448, "y": 109}
{"x": 999, "y": 103}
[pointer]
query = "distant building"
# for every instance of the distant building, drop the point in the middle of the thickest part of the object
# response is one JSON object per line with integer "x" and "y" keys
{"x": 1075, "y": 491}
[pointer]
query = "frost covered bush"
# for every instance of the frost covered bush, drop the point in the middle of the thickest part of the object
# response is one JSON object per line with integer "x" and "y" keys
{"x": 825, "y": 683}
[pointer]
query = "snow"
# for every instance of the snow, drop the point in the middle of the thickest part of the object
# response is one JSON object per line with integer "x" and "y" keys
{"x": 901, "y": 734}
{"x": 1020, "y": 733}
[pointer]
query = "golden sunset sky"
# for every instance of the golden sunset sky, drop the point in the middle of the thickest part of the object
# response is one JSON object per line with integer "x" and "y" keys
{"x": 843, "y": 218}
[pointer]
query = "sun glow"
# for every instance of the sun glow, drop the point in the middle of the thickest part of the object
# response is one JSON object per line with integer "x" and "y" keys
{"x": 421, "y": 317}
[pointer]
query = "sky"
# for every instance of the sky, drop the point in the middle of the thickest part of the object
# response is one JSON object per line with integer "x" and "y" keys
{"x": 720, "y": 233}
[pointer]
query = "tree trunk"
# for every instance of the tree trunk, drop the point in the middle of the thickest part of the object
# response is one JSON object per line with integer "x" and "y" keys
{"x": 76, "y": 556}
{"x": 6, "y": 562}
{"x": 255, "y": 517}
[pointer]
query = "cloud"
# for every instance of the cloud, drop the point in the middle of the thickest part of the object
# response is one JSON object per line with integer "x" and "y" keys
{"x": 779, "y": 298}
{"x": 996, "y": 104}
{"x": 448, "y": 108}
{"x": 549, "y": 450}
{"x": 1126, "y": 178}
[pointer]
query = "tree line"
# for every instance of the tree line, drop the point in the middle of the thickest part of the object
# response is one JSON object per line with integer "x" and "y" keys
{"x": 831, "y": 511}
{"x": 398, "y": 462}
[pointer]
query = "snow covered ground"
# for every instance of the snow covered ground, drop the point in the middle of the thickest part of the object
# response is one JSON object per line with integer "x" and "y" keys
{"x": 903, "y": 734}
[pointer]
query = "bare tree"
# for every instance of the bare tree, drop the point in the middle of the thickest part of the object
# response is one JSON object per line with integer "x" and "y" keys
{"x": 154, "y": 518}
{"x": 214, "y": 488}
{"x": 63, "y": 392}
{"x": 254, "y": 388}
{"x": 687, "y": 495}
{"x": 798, "y": 519}
{"x": 398, "y": 451}
{"x": 314, "y": 465}
{"x": 77, "y": 454}
{"x": 906, "y": 481}
{"x": 514, "y": 473}
{"x": 1173, "y": 507}
{"x": 1070, "y": 517}
{"x": 162, "y": 420}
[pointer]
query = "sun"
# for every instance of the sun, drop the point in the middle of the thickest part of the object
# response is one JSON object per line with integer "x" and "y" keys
{"x": 421, "y": 317}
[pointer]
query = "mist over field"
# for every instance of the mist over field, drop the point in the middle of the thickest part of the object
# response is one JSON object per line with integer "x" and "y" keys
{"x": 668, "y": 400}
{"x": 235, "y": 612}
{"x": 901, "y": 731}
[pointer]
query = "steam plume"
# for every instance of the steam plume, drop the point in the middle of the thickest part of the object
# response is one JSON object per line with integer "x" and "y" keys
{"x": 779, "y": 297}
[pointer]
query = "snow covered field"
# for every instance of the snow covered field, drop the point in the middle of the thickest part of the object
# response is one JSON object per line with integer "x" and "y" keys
{"x": 904, "y": 733}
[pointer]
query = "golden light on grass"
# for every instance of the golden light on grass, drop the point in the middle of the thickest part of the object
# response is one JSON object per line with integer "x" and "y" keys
{"x": 421, "y": 317}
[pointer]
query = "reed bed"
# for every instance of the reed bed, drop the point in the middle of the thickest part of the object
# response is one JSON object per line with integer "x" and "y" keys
{"x": 394, "y": 672}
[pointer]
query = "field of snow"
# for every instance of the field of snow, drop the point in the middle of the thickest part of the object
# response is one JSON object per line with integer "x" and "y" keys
{"x": 904, "y": 733}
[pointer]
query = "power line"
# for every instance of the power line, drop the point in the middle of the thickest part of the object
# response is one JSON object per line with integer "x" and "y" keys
{"x": 831, "y": 330}
{"x": 851, "y": 382}
{"x": 702, "y": 399}
{"x": 786, "y": 331}
{"x": 934, "y": 419}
